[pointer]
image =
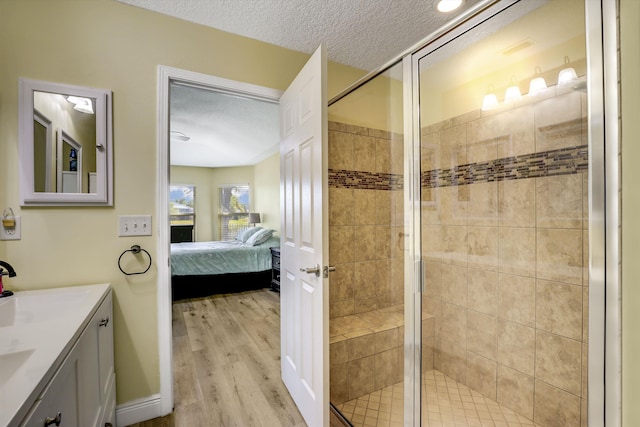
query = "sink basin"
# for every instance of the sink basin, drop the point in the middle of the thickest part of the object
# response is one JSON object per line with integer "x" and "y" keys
{"x": 10, "y": 362}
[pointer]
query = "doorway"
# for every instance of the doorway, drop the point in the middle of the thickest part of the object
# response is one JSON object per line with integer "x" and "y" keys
{"x": 167, "y": 76}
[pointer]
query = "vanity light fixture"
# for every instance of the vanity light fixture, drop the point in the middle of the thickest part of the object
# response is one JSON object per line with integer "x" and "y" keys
{"x": 83, "y": 105}
{"x": 512, "y": 93}
{"x": 447, "y": 6}
{"x": 489, "y": 102}
{"x": 537, "y": 84}
{"x": 567, "y": 74}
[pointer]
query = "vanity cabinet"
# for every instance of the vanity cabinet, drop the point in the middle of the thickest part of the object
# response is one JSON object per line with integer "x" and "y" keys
{"x": 59, "y": 403}
{"x": 82, "y": 390}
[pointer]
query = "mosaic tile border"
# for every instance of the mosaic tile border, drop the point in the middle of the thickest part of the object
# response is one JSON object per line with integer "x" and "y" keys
{"x": 564, "y": 161}
{"x": 363, "y": 180}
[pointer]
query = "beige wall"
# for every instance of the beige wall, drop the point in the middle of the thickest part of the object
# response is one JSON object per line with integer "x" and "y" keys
{"x": 207, "y": 181}
{"x": 266, "y": 191}
{"x": 119, "y": 47}
{"x": 630, "y": 105}
{"x": 263, "y": 180}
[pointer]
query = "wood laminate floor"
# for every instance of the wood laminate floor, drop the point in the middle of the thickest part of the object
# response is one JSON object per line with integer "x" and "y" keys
{"x": 226, "y": 358}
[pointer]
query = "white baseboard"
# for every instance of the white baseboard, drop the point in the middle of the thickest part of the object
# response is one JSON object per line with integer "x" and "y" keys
{"x": 139, "y": 410}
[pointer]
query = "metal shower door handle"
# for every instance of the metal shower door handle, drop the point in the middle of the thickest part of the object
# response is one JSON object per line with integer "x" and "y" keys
{"x": 315, "y": 270}
{"x": 326, "y": 270}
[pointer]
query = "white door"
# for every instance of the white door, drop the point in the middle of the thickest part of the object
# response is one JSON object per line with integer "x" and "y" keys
{"x": 304, "y": 241}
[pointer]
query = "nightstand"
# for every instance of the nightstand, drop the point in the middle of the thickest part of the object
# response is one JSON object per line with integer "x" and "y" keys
{"x": 275, "y": 269}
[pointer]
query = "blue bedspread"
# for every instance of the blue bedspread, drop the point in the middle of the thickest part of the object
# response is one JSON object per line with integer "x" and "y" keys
{"x": 204, "y": 258}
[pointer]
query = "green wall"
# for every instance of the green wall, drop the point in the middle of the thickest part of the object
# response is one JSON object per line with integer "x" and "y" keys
{"x": 630, "y": 108}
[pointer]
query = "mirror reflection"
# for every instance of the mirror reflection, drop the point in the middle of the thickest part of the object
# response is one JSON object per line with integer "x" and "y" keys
{"x": 65, "y": 145}
{"x": 67, "y": 168}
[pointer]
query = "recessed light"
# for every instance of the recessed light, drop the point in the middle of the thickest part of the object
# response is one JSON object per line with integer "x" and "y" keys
{"x": 446, "y": 6}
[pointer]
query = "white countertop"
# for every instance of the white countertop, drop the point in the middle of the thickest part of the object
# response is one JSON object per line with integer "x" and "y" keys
{"x": 37, "y": 329}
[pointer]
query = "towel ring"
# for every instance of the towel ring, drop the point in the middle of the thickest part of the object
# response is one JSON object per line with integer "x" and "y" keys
{"x": 136, "y": 249}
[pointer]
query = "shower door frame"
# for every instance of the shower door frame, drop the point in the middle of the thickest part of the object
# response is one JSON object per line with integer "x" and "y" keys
{"x": 604, "y": 398}
{"x": 604, "y": 382}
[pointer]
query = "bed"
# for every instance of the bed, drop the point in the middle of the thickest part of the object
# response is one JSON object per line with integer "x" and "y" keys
{"x": 205, "y": 268}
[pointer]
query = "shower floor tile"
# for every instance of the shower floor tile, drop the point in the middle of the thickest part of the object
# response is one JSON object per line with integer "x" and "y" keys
{"x": 445, "y": 402}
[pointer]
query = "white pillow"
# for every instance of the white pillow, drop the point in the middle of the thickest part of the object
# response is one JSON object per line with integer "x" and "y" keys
{"x": 245, "y": 234}
{"x": 259, "y": 237}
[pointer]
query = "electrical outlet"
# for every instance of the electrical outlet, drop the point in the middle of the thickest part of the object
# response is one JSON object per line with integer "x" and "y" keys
{"x": 134, "y": 225}
{"x": 10, "y": 233}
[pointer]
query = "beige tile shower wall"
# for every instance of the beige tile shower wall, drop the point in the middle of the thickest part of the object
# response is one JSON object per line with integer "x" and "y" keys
{"x": 506, "y": 261}
{"x": 366, "y": 247}
{"x": 365, "y": 224}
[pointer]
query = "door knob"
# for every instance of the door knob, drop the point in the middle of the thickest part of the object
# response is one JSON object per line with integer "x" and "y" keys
{"x": 48, "y": 421}
{"x": 315, "y": 270}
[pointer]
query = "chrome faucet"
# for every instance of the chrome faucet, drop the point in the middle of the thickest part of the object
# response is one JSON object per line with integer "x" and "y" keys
{"x": 10, "y": 272}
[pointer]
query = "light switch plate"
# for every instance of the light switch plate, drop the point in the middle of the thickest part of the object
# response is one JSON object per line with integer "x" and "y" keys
{"x": 10, "y": 233}
{"x": 134, "y": 225}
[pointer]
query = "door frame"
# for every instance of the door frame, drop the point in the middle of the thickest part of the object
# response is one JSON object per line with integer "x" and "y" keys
{"x": 166, "y": 75}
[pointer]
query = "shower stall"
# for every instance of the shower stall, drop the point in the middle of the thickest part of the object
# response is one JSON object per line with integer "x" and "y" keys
{"x": 460, "y": 187}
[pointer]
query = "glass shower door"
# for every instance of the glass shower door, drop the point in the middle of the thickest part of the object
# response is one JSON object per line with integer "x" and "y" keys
{"x": 503, "y": 128}
{"x": 366, "y": 245}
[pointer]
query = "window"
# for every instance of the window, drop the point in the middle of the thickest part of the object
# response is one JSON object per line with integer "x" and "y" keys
{"x": 233, "y": 211}
{"x": 182, "y": 205}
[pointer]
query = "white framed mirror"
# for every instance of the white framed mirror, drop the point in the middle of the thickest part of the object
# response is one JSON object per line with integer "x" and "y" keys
{"x": 77, "y": 170}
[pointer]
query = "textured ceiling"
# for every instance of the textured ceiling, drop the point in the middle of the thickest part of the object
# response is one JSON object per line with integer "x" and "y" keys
{"x": 362, "y": 33}
{"x": 228, "y": 131}
{"x": 223, "y": 130}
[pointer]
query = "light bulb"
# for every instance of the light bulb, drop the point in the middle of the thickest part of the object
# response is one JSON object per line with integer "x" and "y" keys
{"x": 512, "y": 94}
{"x": 489, "y": 102}
{"x": 537, "y": 85}
{"x": 566, "y": 76}
{"x": 446, "y": 6}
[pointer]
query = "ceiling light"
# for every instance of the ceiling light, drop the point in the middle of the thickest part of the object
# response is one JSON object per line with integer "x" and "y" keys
{"x": 179, "y": 136}
{"x": 446, "y": 6}
{"x": 83, "y": 105}
{"x": 567, "y": 74}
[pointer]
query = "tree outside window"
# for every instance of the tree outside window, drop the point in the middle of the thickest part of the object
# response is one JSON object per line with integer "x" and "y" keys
{"x": 182, "y": 205}
{"x": 233, "y": 210}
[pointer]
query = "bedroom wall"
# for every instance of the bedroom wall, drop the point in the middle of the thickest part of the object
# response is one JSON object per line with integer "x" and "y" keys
{"x": 267, "y": 191}
{"x": 102, "y": 43}
{"x": 201, "y": 178}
